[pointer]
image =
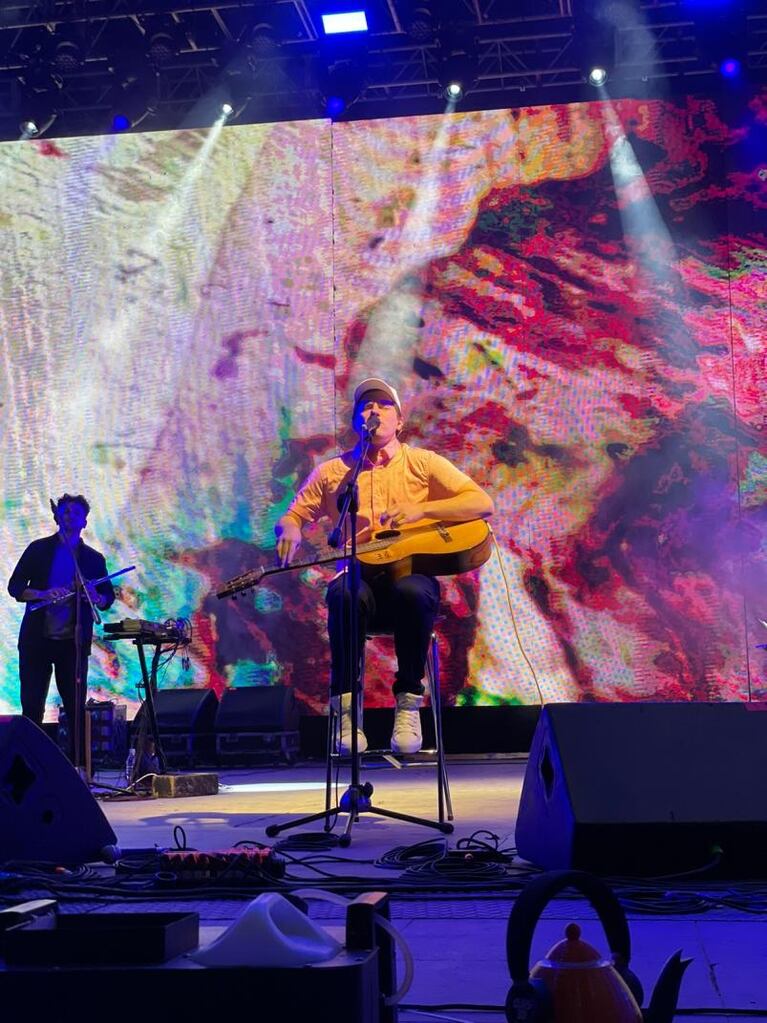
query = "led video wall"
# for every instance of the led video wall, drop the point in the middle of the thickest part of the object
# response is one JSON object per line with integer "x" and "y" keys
{"x": 571, "y": 299}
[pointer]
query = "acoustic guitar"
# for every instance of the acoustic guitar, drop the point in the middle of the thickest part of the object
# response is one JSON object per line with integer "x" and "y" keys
{"x": 427, "y": 548}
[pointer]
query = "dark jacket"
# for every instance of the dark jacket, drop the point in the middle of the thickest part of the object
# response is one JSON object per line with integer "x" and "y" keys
{"x": 34, "y": 569}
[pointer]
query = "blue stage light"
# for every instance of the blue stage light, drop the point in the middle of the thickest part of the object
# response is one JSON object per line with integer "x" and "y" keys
{"x": 730, "y": 67}
{"x": 120, "y": 122}
{"x": 335, "y": 106}
{"x": 349, "y": 21}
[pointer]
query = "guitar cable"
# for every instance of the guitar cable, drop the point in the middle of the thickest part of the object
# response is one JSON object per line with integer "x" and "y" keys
{"x": 514, "y": 618}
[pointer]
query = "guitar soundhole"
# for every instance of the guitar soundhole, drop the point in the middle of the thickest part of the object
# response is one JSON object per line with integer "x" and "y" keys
{"x": 387, "y": 534}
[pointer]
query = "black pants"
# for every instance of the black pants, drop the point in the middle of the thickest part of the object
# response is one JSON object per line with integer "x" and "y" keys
{"x": 37, "y": 660}
{"x": 406, "y": 608}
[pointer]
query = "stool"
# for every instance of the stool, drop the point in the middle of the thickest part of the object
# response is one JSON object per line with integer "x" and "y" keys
{"x": 444, "y": 802}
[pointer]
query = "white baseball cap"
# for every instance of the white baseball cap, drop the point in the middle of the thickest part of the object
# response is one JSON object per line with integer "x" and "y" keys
{"x": 376, "y": 384}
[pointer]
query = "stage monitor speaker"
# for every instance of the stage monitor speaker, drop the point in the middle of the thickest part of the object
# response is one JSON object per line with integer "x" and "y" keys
{"x": 46, "y": 810}
{"x": 643, "y": 789}
{"x": 258, "y": 709}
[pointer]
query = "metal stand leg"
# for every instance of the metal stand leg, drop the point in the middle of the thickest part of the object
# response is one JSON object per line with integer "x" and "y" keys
{"x": 87, "y": 729}
{"x": 333, "y": 725}
{"x": 444, "y": 802}
{"x": 150, "y": 690}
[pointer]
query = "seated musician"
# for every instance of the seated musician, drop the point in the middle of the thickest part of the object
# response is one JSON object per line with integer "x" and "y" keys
{"x": 399, "y": 484}
{"x": 46, "y": 572}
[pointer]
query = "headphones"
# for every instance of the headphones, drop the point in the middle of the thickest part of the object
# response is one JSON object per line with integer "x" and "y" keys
{"x": 529, "y": 1000}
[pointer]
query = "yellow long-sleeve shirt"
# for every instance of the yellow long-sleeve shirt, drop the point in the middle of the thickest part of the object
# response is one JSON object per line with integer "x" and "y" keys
{"x": 412, "y": 475}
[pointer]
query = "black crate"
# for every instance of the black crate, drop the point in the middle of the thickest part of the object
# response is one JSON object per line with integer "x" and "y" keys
{"x": 102, "y": 939}
{"x": 109, "y": 733}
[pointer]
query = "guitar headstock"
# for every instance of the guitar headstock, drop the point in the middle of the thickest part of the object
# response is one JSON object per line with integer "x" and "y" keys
{"x": 241, "y": 583}
{"x": 249, "y": 580}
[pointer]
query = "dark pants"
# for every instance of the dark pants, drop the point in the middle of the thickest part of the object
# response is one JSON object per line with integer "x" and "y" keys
{"x": 37, "y": 660}
{"x": 406, "y": 608}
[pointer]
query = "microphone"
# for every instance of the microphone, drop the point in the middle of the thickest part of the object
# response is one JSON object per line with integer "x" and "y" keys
{"x": 372, "y": 423}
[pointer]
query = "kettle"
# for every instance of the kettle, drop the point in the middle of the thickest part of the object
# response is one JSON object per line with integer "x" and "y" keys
{"x": 575, "y": 983}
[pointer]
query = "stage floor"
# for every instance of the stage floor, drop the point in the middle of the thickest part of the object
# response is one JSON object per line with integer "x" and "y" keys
{"x": 457, "y": 938}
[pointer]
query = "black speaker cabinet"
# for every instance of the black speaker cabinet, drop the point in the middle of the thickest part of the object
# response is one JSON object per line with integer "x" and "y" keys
{"x": 185, "y": 719}
{"x": 46, "y": 810}
{"x": 257, "y": 721}
{"x": 186, "y": 710}
{"x": 646, "y": 788}
{"x": 258, "y": 709}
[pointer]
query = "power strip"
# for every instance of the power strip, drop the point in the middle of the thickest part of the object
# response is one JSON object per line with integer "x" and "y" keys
{"x": 238, "y": 864}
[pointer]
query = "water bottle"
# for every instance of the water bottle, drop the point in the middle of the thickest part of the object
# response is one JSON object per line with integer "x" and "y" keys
{"x": 130, "y": 765}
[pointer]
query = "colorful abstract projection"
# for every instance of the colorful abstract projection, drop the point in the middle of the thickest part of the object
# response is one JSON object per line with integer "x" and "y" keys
{"x": 573, "y": 301}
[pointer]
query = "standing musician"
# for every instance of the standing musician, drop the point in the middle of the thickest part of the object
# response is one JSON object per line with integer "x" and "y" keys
{"x": 46, "y": 572}
{"x": 398, "y": 485}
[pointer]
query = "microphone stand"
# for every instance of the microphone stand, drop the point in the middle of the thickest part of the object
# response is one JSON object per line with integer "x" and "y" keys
{"x": 80, "y": 756}
{"x": 356, "y": 799}
{"x": 349, "y": 499}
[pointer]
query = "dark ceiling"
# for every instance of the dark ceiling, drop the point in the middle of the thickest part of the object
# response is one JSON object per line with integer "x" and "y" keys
{"x": 165, "y": 64}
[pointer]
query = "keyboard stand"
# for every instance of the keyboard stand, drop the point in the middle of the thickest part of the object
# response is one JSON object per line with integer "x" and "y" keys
{"x": 149, "y": 685}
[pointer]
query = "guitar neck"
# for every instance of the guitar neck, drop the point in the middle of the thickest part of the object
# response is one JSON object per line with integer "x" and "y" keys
{"x": 294, "y": 566}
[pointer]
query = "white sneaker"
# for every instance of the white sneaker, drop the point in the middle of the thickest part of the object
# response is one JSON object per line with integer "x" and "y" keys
{"x": 406, "y": 737}
{"x": 342, "y": 707}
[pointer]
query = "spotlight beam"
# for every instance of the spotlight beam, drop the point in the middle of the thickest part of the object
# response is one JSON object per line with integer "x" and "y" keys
{"x": 640, "y": 217}
{"x": 397, "y": 311}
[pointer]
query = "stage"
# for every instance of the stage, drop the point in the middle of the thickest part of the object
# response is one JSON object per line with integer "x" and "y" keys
{"x": 456, "y": 935}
